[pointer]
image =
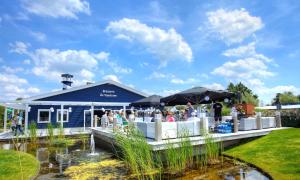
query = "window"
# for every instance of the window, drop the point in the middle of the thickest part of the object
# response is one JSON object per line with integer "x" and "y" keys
{"x": 65, "y": 115}
{"x": 44, "y": 115}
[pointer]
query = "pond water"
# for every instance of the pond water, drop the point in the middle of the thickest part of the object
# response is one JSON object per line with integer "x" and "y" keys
{"x": 76, "y": 160}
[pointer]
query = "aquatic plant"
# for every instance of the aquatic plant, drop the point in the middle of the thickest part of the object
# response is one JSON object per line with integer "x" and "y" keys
{"x": 33, "y": 132}
{"x": 179, "y": 158}
{"x": 136, "y": 153}
{"x": 61, "y": 132}
{"x": 83, "y": 139}
{"x": 212, "y": 149}
{"x": 50, "y": 132}
{"x": 106, "y": 169}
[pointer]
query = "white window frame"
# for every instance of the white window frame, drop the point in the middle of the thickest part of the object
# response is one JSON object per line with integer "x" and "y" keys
{"x": 44, "y": 110}
{"x": 58, "y": 112}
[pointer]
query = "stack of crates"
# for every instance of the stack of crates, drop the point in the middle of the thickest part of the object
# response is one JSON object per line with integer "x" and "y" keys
{"x": 225, "y": 128}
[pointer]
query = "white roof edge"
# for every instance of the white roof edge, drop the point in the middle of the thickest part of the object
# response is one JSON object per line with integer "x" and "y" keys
{"x": 84, "y": 87}
{"x": 295, "y": 106}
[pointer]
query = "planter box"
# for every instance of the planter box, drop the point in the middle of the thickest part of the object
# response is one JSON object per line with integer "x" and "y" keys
{"x": 268, "y": 122}
{"x": 247, "y": 124}
{"x": 249, "y": 109}
{"x": 169, "y": 129}
{"x": 185, "y": 126}
{"x": 224, "y": 118}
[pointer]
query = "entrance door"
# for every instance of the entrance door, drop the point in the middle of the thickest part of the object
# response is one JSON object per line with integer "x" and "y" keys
{"x": 87, "y": 118}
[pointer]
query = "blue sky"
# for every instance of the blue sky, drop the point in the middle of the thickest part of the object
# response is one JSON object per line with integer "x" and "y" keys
{"x": 158, "y": 47}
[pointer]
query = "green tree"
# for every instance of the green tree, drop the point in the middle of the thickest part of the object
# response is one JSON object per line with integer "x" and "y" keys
{"x": 247, "y": 94}
{"x": 286, "y": 98}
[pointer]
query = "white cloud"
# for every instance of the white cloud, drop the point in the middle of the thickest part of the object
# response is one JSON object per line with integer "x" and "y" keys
{"x": 19, "y": 47}
{"x": 14, "y": 87}
{"x": 166, "y": 45}
{"x": 11, "y": 70}
{"x": 117, "y": 68}
{"x": 246, "y": 51}
{"x": 243, "y": 69}
{"x": 51, "y": 63}
{"x": 159, "y": 75}
{"x": 215, "y": 86}
{"x": 38, "y": 36}
{"x": 27, "y": 61}
{"x": 111, "y": 77}
{"x": 233, "y": 26}
{"x": 184, "y": 81}
{"x": 57, "y": 8}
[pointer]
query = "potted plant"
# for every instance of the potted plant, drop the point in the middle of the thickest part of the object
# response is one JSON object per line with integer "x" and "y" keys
{"x": 249, "y": 103}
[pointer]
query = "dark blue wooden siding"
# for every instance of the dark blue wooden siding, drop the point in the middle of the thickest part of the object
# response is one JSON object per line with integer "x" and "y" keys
{"x": 92, "y": 94}
{"x": 76, "y": 117}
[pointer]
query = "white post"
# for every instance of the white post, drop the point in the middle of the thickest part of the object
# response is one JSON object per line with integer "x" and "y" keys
{"x": 5, "y": 119}
{"x": 235, "y": 123}
{"x": 278, "y": 119}
{"x": 92, "y": 116}
{"x": 158, "y": 128}
{"x": 13, "y": 113}
{"x": 62, "y": 115}
{"x": 26, "y": 118}
{"x": 258, "y": 121}
{"x": 84, "y": 120}
{"x": 124, "y": 109}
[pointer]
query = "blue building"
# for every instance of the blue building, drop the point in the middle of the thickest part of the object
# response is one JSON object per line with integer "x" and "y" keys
{"x": 77, "y": 106}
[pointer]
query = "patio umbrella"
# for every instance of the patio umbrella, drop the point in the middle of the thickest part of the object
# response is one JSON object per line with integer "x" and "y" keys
{"x": 151, "y": 101}
{"x": 196, "y": 95}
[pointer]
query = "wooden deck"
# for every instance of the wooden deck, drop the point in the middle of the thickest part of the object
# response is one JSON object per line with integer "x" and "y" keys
{"x": 105, "y": 137}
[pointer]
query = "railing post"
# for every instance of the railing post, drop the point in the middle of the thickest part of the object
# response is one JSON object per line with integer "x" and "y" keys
{"x": 26, "y": 118}
{"x": 258, "y": 121}
{"x": 158, "y": 127}
{"x": 235, "y": 123}
{"x": 278, "y": 119}
{"x": 62, "y": 115}
{"x": 203, "y": 125}
{"x": 5, "y": 119}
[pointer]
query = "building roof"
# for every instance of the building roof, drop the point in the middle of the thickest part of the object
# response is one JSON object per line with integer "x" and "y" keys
{"x": 33, "y": 98}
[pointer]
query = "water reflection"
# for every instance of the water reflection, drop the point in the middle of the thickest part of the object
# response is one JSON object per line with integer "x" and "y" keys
{"x": 55, "y": 160}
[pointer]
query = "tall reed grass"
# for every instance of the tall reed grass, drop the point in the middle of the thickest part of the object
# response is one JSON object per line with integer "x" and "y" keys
{"x": 50, "y": 132}
{"x": 136, "y": 153}
{"x": 212, "y": 150}
{"x": 178, "y": 159}
{"x": 33, "y": 132}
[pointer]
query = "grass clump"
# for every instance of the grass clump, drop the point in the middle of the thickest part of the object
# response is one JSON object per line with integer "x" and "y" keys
{"x": 178, "y": 159}
{"x": 136, "y": 153}
{"x": 277, "y": 153}
{"x": 50, "y": 132}
{"x": 33, "y": 132}
{"x": 17, "y": 165}
{"x": 212, "y": 150}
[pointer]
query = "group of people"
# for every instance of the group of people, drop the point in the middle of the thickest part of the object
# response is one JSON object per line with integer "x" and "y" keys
{"x": 188, "y": 114}
{"x": 16, "y": 124}
{"x": 109, "y": 116}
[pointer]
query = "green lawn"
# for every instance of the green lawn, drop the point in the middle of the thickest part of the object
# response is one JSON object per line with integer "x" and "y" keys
{"x": 277, "y": 153}
{"x": 11, "y": 168}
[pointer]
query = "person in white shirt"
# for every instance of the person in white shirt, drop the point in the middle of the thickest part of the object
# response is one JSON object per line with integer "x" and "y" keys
{"x": 193, "y": 118}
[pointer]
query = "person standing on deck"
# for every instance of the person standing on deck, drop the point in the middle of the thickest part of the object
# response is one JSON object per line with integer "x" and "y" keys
{"x": 190, "y": 110}
{"x": 19, "y": 124}
{"x": 218, "y": 112}
{"x": 14, "y": 125}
